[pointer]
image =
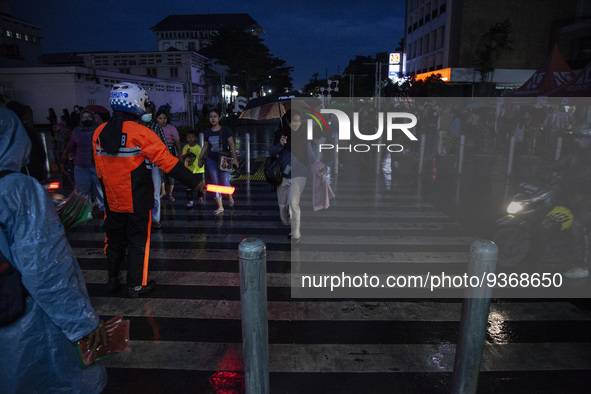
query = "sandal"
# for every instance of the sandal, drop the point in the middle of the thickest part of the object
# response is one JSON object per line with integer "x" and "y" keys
{"x": 218, "y": 211}
{"x": 170, "y": 198}
{"x": 189, "y": 205}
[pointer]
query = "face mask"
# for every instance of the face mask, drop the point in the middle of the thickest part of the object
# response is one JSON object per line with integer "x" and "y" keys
{"x": 146, "y": 117}
{"x": 87, "y": 122}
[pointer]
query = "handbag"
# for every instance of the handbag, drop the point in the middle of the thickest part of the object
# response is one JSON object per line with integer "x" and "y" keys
{"x": 273, "y": 174}
{"x": 225, "y": 158}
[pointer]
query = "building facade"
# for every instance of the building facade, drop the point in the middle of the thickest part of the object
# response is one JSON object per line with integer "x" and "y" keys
{"x": 19, "y": 41}
{"x": 62, "y": 87}
{"x": 193, "y": 32}
{"x": 449, "y": 35}
{"x": 186, "y": 68}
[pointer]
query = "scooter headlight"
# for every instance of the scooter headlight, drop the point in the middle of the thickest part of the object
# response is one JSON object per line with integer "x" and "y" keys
{"x": 517, "y": 206}
{"x": 514, "y": 207}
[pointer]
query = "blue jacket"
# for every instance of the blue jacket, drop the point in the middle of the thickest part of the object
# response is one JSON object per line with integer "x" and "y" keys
{"x": 298, "y": 169}
{"x": 38, "y": 352}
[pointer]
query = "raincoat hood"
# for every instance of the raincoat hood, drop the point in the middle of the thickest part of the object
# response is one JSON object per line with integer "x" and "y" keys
{"x": 15, "y": 145}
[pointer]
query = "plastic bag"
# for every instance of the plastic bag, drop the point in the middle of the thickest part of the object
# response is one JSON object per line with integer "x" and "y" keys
{"x": 118, "y": 333}
{"x": 74, "y": 210}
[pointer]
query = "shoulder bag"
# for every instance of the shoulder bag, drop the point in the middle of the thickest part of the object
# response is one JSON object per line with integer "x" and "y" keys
{"x": 225, "y": 157}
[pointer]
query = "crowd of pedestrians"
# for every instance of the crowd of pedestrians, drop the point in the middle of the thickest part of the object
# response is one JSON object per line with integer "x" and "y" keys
{"x": 117, "y": 163}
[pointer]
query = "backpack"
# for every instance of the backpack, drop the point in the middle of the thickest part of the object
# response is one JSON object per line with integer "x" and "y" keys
{"x": 273, "y": 174}
{"x": 13, "y": 294}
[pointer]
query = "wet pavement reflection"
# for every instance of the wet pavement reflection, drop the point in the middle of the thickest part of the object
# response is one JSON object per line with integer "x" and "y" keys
{"x": 186, "y": 337}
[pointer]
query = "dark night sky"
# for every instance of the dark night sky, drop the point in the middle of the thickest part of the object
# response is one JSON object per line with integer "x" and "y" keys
{"x": 312, "y": 36}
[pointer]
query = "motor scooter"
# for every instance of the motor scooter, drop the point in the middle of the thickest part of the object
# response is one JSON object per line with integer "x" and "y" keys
{"x": 538, "y": 224}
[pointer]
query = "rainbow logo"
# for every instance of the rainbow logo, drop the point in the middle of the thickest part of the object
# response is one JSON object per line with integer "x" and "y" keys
{"x": 317, "y": 117}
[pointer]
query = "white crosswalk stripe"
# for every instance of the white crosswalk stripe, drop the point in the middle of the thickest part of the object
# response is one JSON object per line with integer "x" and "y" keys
{"x": 192, "y": 245}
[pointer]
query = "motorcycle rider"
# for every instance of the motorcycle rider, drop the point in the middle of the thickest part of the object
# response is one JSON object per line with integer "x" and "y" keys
{"x": 575, "y": 172}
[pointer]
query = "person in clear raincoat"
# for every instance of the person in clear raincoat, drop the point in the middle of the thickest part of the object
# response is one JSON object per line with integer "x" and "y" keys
{"x": 38, "y": 351}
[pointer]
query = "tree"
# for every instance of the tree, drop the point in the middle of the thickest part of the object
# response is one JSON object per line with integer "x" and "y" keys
{"x": 432, "y": 86}
{"x": 314, "y": 84}
{"x": 251, "y": 67}
{"x": 492, "y": 44}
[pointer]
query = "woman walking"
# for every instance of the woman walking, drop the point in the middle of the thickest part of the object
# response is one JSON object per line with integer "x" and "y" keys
{"x": 218, "y": 139}
{"x": 295, "y": 158}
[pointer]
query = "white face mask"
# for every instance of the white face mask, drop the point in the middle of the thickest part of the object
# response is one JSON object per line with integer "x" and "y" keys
{"x": 147, "y": 117}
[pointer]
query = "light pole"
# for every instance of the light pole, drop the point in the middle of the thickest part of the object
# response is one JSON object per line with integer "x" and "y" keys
{"x": 329, "y": 89}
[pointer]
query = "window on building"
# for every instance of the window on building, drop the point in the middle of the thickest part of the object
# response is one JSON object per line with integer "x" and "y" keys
{"x": 441, "y": 37}
{"x": 152, "y": 72}
{"x": 442, "y": 8}
{"x": 8, "y": 33}
{"x": 174, "y": 72}
{"x": 124, "y": 70}
{"x": 18, "y": 36}
{"x": 26, "y": 37}
{"x": 192, "y": 46}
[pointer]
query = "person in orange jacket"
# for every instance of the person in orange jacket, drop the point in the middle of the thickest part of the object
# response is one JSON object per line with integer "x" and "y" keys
{"x": 121, "y": 148}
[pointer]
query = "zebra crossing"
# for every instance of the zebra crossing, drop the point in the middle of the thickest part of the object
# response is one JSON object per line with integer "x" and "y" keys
{"x": 186, "y": 336}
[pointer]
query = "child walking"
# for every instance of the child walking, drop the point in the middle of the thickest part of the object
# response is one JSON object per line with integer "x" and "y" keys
{"x": 191, "y": 152}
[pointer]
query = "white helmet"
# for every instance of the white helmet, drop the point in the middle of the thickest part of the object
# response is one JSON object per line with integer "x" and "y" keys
{"x": 128, "y": 97}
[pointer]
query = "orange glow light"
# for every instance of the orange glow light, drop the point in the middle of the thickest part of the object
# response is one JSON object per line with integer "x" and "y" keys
{"x": 221, "y": 189}
{"x": 53, "y": 185}
{"x": 445, "y": 75}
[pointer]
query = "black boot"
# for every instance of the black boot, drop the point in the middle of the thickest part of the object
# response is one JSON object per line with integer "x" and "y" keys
{"x": 134, "y": 292}
{"x": 114, "y": 283}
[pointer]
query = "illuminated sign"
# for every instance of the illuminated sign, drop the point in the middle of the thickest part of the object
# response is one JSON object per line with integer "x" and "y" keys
{"x": 445, "y": 74}
{"x": 395, "y": 58}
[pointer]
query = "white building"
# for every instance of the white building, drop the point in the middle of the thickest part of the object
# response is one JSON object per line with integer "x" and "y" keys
{"x": 184, "y": 67}
{"x": 63, "y": 87}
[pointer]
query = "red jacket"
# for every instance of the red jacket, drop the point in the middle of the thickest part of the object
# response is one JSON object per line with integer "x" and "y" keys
{"x": 125, "y": 178}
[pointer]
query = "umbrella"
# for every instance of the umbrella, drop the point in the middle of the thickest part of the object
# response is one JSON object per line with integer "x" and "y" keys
{"x": 272, "y": 106}
{"x": 97, "y": 109}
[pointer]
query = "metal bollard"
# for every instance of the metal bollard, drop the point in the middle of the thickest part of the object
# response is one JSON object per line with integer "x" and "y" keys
{"x": 201, "y": 139}
{"x": 247, "y": 143}
{"x": 461, "y": 159}
{"x": 422, "y": 153}
{"x": 336, "y": 154}
{"x": 558, "y": 148}
{"x": 253, "y": 297}
{"x": 511, "y": 154}
{"x": 474, "y": 320}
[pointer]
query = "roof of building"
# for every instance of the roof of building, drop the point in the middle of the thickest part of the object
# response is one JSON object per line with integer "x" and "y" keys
{"x": 5, "y": 15}
{"x": 206, "y": 22}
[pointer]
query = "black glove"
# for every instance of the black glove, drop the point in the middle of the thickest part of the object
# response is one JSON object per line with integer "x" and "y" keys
{"x": 180, "y": 173}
